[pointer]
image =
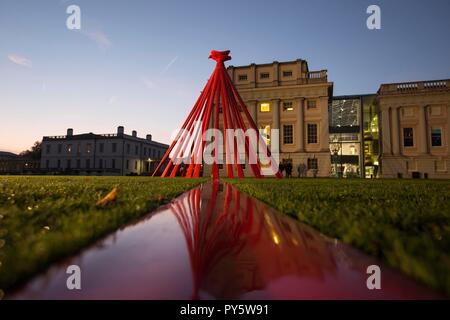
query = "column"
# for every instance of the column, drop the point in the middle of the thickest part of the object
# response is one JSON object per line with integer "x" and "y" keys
{"x": 301, "y": 125}
{"x": 275, "y": 72}
{"x": 275, "y": 106}
{"x": 423, "y": 135}
{"x": 385, "y": 132}
{"x": 395, "y": 135}
{"x": 253, "y": 110}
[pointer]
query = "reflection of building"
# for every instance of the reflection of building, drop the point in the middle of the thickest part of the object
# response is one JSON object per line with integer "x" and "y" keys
{"x": 354, "y": 136}
{"x": 415, "y": 128}
{"x": 101, "y": 154}
{"x": 289, "y": 97}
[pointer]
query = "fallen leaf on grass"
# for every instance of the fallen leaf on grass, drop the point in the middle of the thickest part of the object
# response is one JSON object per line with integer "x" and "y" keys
{"x": 110, "y": 197}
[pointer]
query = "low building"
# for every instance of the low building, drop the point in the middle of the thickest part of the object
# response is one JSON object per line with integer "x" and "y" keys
{"x": 101, "y": 154}
{"x": 415, "y": 128}
{"x": 289, "y": 97}
{"x": 11, "y": 163}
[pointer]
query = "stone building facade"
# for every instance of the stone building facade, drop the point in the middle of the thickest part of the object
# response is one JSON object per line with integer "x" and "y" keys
{"x": 289, "y": 97}
{"x": 415, "y": 127}
{"x": 101, "y": 154}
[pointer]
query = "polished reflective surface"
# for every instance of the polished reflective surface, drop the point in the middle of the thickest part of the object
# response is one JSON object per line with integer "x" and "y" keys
{"x": 214, "y": 242}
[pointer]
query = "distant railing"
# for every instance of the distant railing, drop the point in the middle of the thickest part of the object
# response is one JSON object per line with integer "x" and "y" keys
{"x": 317, "y": 76}
{"x": 411, "y": 87}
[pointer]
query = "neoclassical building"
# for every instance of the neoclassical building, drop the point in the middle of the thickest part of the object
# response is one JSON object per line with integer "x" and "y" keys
{"x": 101, "y": 154}
{"x": 289, "y": 97}
{"x": 415, "y": 127}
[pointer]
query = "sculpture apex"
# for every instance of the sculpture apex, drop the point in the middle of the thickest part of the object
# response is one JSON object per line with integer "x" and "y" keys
{"x": 220, "y": 56}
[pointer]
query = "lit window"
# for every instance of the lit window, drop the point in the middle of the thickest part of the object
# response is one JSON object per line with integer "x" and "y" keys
{"x": 265, "y": 133}
{"x": 408, "y": 137}
{"x": 287, "y": 73}
{"x": 88, "y": 148}
{"x": 288, "y": 134}
{"x": 264, "y": 75}
{"x": 312, "y": 133}
{"x": 242, "y": 77}
{"x": 69, "y": 148}
{"x": 287, "y": 106}
{"x": 436, "y": 137}
{"x": 265, "y": 107}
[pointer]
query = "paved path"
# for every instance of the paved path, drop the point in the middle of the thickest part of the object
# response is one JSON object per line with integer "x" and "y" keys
{"x": 214, "y": 242}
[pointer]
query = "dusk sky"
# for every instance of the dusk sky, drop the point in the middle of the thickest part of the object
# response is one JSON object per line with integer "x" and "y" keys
{"x": 142, "y": 64}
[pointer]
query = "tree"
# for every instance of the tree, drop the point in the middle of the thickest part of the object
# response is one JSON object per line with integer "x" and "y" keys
{"x": 34, "y": 152}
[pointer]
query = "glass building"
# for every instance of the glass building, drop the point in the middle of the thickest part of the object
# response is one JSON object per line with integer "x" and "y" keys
{"x": 354, "y": 143}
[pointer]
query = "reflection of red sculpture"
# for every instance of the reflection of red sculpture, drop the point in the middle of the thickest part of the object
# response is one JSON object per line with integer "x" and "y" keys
{"x": 218, "y": 97}
{"x": 212, "y": 234}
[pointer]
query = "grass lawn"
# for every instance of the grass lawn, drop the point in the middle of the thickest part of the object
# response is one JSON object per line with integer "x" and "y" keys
{"x": 406, "y": 223}
{"x": 43, "y": 219}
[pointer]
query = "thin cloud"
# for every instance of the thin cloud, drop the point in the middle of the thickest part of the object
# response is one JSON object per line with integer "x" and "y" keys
{"x": 21, "y": 61}
{"x": 99, "y": 37}
{"x": 112, "y": 100}
{"x": 169, "y": 65}
{"x": 148, "y": 83}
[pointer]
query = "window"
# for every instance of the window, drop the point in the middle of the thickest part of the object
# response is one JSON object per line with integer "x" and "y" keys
{"x": 265, "y": 133}
{"x": 113, "y": 163}
{"x": 128, "y": 148}
{"x": 288, "y": 134}
{"x": 69, "y": 148}
{"x": 287, "y": 73}
{"x": 136, "y": 150}
{"x": 311, "y": 104}
{"x": 408, "y": 137}
{"x": 153, "y": 153}
{"x": 287, "y": 106}
{"x": 135, "y": 165}
{"x": 47, "y": 164}
{"x": 59, "y": 164}
{"x": 59, "y": 148}
{"x": 101, "y": 147}
{"x": 100, "y": 163}
{"x": 69, "y": 164}
{"x": 78, "y": 163}
{"x": 88, "y": 163}
{"x": 436, "y": 137}
{"x": 78, "y": 148}
{"x": 159, "y": 154}
{"x": 264, "y": 75}
{"x": 242, "y": 77}
{"x": 312, "y": 133}
{"x": 47, "y": 148}
{"x": 265, "y": 107}
{"x": 88, "y": 148}
{"x": 128, "y": 164}
{"x": 313, "y": 164}
{"x": 114, "y": 147}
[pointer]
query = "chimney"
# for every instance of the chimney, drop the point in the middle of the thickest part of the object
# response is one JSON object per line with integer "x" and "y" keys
{"x": 120, "y": 130}
{"x": 149, "y": 137}
{"x": 134, "y": 133}
{"x": 69, "y": 132}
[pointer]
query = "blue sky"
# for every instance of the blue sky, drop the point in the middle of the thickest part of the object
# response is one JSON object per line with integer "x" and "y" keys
{"x": 142, "y": 64}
